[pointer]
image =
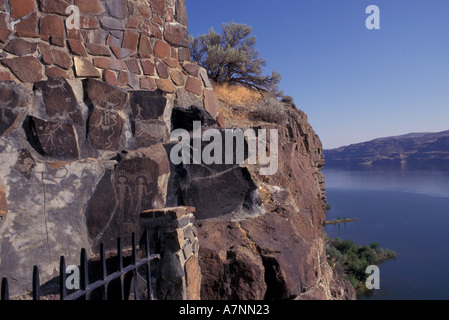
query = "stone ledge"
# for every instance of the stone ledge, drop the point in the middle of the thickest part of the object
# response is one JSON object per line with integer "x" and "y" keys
{"x": 175, "y": 213}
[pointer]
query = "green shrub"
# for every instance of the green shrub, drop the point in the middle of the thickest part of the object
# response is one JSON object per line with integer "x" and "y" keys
{"x": 334, "y": 254}
{"x": 355, "y": 259}
{"x": 232, "y": 57}
{"x": 374, "y": 245}
{"x": 346, "y": 246}
{"x": 370, "y": 257}
{"x": 271, "y": 110}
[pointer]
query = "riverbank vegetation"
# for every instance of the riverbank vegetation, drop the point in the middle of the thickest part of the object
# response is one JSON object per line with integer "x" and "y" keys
{"x": 355, "y": 259}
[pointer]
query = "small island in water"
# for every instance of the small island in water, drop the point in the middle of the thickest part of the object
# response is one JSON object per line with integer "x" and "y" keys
{"x": 344, "y": 220}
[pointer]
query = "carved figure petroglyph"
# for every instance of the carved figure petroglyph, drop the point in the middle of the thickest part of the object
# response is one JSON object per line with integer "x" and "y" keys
{"x": 131, "y": 192}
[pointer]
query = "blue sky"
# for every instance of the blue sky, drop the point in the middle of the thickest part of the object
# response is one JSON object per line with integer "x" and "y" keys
{"x": 353, "y": 83}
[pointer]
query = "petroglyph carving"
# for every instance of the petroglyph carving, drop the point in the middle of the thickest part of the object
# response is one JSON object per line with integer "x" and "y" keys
{"x": 105, "y": 95}
{"x": 105, "y": 129}
{"x": 133, "y": 192}
{"x": 139, "y": 112}
{"x": 147, "y": 105}
{"x": 123, "y": 192}
{"x": 56, "y": 139}
{"x": 59, "y": 100}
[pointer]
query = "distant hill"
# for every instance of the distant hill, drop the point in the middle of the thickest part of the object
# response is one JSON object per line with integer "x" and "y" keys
{"x": 412, "y": 148}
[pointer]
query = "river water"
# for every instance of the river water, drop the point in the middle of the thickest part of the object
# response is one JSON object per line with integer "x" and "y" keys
{"x": 405, "y": 210}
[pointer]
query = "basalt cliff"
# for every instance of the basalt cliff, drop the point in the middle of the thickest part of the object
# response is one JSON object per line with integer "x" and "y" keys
{"x": 85, "y": 120}
{"x": 413, "y": 149}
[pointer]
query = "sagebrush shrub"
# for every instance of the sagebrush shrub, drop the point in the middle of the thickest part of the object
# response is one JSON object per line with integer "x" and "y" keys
{"x": 271, "y": 110}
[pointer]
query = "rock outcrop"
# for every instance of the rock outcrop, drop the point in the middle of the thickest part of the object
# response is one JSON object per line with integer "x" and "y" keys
{"x": 85, "y": 122}
{"x": 279, "y": 252}
{"x": 412, "y": 150}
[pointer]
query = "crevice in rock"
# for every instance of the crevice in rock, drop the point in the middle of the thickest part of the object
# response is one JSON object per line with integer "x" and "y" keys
{"x": 44, "y": 208}
{"x": 276, "y": 286}
{"x": 30, "y": 131}
{"x": 90, "y": 107}
{"x": 183, "y": 118}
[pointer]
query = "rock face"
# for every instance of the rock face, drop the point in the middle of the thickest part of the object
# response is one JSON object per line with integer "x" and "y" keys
{"x": 277, "y": 254}
{"x": 85, "y": 121}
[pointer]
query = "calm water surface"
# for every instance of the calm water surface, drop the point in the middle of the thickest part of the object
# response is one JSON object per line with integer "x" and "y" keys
{"x": 404, "y": 210}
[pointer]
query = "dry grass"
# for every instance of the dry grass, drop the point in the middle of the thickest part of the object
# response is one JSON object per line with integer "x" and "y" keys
{"x": 236, "y": 94}
{"x": 251, "y": 243}
{"x": 237, "y": 104}
{"x": 242, "y": 107}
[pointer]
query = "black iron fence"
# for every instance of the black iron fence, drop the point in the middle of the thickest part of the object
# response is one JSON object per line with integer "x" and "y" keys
{"x": 86, "y": 289}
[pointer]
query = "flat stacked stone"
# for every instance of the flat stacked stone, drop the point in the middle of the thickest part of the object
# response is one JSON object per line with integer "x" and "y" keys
{"x": 173, "y": 232}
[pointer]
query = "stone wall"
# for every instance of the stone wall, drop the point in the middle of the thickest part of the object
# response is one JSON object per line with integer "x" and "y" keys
{"x": 136, "y": 44}
{"x": 85, "y": 117}
{"x": 174, "y": 236}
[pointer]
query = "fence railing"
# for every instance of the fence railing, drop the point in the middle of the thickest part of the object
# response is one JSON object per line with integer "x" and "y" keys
{"x": 85, "y": 289}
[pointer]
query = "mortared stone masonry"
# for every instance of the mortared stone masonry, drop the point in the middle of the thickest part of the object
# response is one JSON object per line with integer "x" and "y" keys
{"x": 85, "y": 119}
{"x": 134, "y": 45}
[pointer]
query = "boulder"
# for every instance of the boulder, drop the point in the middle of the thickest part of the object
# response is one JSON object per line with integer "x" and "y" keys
{"x": 52, "y": 139}
{"x": 147, "y": 109}
{"x": 136, "y": 184}
{"x": 12, "y": 100}
{"x": 149, "y": 132}
{"x": 25, "y": 163}
{"x": 3, "y": 203}
{"x": 230, "y": 270}
{"x": 59, "y": 100}
{"x": 105, "y": 129}
{"x": 105, "y": 95}
{"x": 183, "y": 118}
{"x": 216, "y": 191}
{"x": 147, "y": 105}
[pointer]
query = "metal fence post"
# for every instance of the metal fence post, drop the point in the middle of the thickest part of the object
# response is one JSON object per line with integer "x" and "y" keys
{"x": 86, "y": 288}
{"x": 120, "y": 268}
{"x": 84, "y": 273}
{"x": 62, "y": 279}
{"x": 36, "y": 284}
{"x": 134, "y": 262}
{"x": 5, "y": 289}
